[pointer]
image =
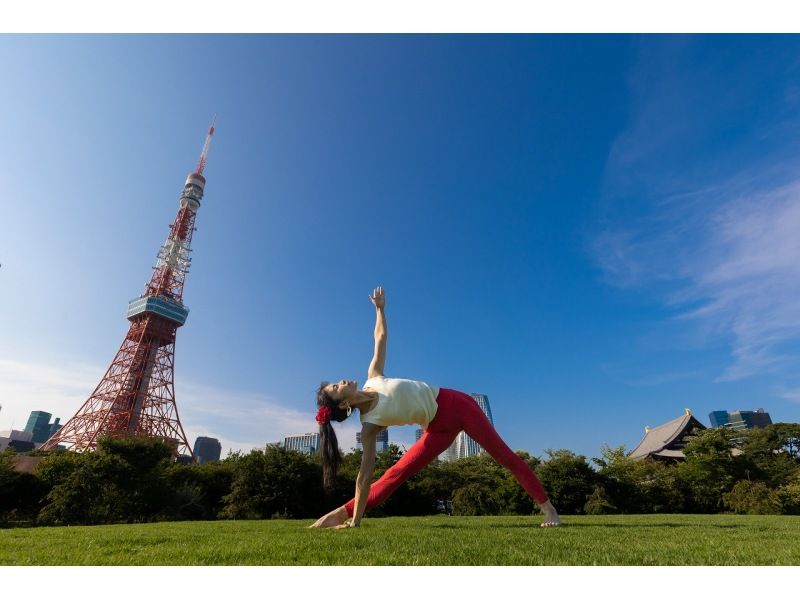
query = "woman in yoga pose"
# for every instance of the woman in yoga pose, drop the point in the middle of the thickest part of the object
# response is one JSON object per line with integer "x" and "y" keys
{"x": 383, "y": 402}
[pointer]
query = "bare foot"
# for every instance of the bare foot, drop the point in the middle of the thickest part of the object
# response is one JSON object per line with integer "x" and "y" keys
{"x": 332, "y": 519}
{"x": 551, "y": 518}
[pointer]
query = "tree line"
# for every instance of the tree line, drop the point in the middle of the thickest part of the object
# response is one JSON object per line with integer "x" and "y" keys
{"x": 131, "y": 480}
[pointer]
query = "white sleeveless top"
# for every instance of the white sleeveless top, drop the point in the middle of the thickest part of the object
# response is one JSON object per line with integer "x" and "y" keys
{"x": 401, "y": 402}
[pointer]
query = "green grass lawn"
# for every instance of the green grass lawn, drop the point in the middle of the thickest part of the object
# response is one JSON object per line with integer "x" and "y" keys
{"x": 440, "y": 540}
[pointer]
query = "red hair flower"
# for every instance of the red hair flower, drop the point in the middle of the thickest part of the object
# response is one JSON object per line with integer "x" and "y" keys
{"x": 324, "y": 415}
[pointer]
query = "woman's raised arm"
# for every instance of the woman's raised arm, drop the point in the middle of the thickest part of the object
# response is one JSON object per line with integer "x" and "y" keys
{"x": 379, "y": 357}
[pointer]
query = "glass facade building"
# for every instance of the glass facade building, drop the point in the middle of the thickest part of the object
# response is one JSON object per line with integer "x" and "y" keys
{"x": 40, "y": 427}
{"x": 381, "y": 442}
{"x": 307, "y": 443}
{"x": 206, "y": 449}
{"x": 740, "y": 420}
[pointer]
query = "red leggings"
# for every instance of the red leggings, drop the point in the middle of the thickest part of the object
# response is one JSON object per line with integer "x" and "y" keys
{"x": 456, "y": 412}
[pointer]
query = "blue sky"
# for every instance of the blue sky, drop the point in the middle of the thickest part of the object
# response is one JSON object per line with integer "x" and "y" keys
{"x": 594, "y": 231}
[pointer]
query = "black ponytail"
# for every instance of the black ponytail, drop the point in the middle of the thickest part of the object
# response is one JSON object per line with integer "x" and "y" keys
{"x": 329, "y": 445}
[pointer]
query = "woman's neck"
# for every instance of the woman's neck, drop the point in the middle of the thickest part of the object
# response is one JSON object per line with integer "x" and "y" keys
{"x": 365, "y": 400}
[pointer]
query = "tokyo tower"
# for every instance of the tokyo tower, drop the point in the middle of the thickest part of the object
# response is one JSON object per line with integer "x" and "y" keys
{"x": 136, "y": 396}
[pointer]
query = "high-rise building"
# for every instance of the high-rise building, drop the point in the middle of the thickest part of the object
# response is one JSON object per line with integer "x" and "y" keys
{"x": 21, "y": 435}
{"x": 18, "y": 440}
{"x": 451, "y": 453}
{"x": 40, "y": 427}
{"x": 307, "y": 443}
{"x": 740, "y": 420}
{"x": 206, "y": 449}
{"x": 464, "y": 445}
{"x": 381, "y": 441}
{"x": 418, "y": 434}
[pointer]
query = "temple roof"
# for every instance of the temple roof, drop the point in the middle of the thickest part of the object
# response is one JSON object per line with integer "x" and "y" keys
{"x": 665, "y": 440}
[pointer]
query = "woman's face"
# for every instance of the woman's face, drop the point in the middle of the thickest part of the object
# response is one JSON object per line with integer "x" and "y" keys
{"x": 341, "y": 390}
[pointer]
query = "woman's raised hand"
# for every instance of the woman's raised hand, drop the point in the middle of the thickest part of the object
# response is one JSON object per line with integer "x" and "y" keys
{"x": 378, "y": 298}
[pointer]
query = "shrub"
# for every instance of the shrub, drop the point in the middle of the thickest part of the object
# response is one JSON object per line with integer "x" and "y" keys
{"x": 790, "y": 495}
{"x": 753, "y": 498}
{"x": 122, "y": 481}
{"x": 475, "y": 499}
{"x": 568, "y": 479}
{"x": 20, "y": 493}
{"x": 709, "y": 470}
{"x": 274, "y": 481}
{"x": 597, "y": 503}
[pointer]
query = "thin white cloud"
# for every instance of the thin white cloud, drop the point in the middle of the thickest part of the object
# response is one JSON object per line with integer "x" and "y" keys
{"x": 241, "y": 421}
{"x": 790, "y": 394}
{"x": 710, "y": 235}
{"x": 736, "y": 272}
{"x": 26, "y": 387}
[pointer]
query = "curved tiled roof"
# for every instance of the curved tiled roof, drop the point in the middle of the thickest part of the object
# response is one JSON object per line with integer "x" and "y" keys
{"x": 657, "y": 441}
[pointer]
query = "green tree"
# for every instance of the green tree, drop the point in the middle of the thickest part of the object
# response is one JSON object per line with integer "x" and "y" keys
{"x": 766, "y": 451}
{"x": 475, "y": 499}
{"x": 790, "y": 433}
{"x": 624, "y": 479}
{"x": 790, "y": 495}
{"x": 753, "y": 498}
{"x": 274, "y": 482}
{"x": 20, "y": 493}
{"x": 511, "y": 496}
{"x": 57, "y": 466}
{"x": 386, "y": 459}
{"x": 663, "y": 489}
{"x": 639, "y": 486}
{"x": 435, "y": 482}
{"x": 199, "y": 489}
{"x": 710, "y": 469}
{"x": 568, "y": 479}
{"x": 597, "y": 503}
{"x": 122, "y": 481}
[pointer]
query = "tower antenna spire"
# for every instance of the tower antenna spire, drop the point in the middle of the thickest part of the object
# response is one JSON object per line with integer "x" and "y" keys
{"x": 201, "y": 163}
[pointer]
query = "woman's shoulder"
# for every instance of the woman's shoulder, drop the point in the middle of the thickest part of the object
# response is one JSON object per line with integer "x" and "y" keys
{"x": 375, "y": 380}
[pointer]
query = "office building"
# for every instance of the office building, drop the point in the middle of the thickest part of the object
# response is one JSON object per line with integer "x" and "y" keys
{"x": 307, "y": 443}
{"x": 381, "y": 441}
{"x": 18, "y": 440}
{"x": 418, "y": 434}
{"x": 40, "y": 427}
{"x": 20, "y": 435}
{"x": 451, "y": 453}
{"x": 206, "y": 449}
{"x": 740, "y": 420}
